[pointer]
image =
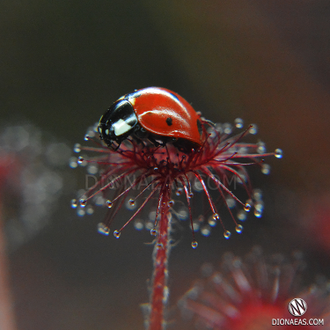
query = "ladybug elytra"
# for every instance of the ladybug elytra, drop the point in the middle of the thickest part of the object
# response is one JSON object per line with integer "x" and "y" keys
{"x": 154, "y": 113}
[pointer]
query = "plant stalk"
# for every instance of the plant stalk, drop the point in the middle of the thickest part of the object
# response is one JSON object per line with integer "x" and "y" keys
{"x": 160, "y": 292}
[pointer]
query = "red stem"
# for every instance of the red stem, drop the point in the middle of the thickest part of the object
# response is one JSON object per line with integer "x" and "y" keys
{"x": 159, "y": 293}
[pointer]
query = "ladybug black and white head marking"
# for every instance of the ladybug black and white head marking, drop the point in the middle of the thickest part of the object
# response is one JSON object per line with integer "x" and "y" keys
{"x": 117, "y": 123}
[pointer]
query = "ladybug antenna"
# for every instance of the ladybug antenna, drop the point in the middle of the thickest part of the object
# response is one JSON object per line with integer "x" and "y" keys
{"x": 208, "y": 122}
{"x": 114, "y": 146}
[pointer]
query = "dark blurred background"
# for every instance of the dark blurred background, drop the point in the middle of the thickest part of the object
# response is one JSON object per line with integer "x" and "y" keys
{"x": 62, "y": 63}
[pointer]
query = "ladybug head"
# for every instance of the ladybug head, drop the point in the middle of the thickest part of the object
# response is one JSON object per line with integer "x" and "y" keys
{"x": 117, "y": 123}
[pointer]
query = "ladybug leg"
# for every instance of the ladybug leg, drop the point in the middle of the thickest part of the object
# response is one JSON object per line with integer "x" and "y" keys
{"x": 114, "y": 146}
{"x": 140, "y": 132}
{"x": 155, "y": 142}
{"x": 140, "y": 135}
{"x": 185, "y": 146}
{"x": 139, "y": 140}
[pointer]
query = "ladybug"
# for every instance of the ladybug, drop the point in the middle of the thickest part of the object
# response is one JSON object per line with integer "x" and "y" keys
{"x": 152, "y": 113}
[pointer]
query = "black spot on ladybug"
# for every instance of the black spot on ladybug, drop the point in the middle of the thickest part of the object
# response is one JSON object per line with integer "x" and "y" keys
{"x": 169, "y": 121}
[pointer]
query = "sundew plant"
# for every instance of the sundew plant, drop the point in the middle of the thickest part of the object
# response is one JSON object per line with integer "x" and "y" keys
{"x": 142, "y": 172}
{"x": 256, "y": 292}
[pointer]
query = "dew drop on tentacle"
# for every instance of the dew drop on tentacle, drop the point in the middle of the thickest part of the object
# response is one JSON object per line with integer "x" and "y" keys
{"x": 109, "y": 204}
{"x": 206, "y": 230}
{"x": 149, "y": 225}
{"x": 77, "y": 148}
{"x": 130, "y": 204}
{"x": 196, "y": 225}
{"x": 257, "y": 213}
{"x": 230, "y": 201}
{"x": 211, "y": 221}
{"x": 103, "y": 229}
{"x": 153, "y": 232}
{"x": 194, "y": 244}
{"x": 92, "y": 169}
{"x": 197, "y": 186}
{"x": 179, "y": 191}
{"x": 116, "y": 233}
{"x": 278, "y": 153}
{"x": 242, "y": 150}
{"x": 89, "y": 210}
{"x": 265, "y": 169}
{"x": 257, "y": 194}
{"x": 73, "y": 162}
{"x": 227, "y": 234}
{"x": 261, "y": 147}
{"x": 74, "y": 203}
{"x": 253, "y": 129}
{"x": 227, "y": 128}
{"x": 82, "y": 202}
{"x": 247, "y": 207}
{"x": 239, "y": 228}
{"x": 80, "y": 160}
{"x": 159, "y": 246}
{"x": 259, "y": 205}
{"x": 81, "y": 212}
{"x": 239, "y": 122}
{"x": 241, "y": 215}
{"x": 182, "y": 213}
{"x": 138, "y": 224}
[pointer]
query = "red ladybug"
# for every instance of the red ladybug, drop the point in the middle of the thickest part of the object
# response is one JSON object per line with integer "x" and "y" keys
{"x": 152, "y": 113}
